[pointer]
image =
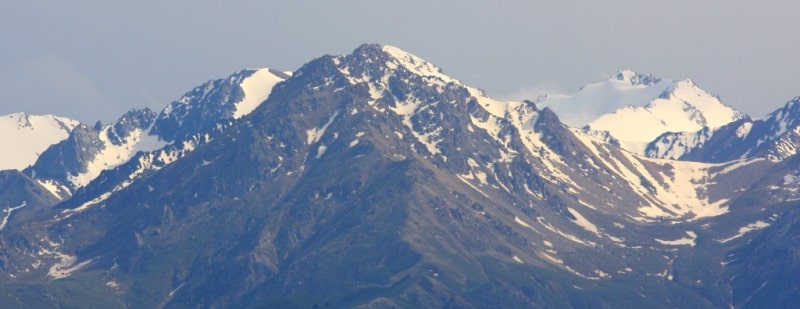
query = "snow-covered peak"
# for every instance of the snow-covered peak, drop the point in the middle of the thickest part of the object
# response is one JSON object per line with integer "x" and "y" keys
{"x": 634, "y": 109}
{"x": 714, "y": 113}
{"x": 774, "y": 137}
{"x": 227, "y": 98}
{"x": 24, "y": 137}
{"x": 681, "y": 107}
{"x": 255, "y": 86}
{"x": 626, "y": 88}
{"x": 416, "y": 64}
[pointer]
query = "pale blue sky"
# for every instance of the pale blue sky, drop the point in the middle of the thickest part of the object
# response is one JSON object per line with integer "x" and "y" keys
{"x": 97, "y": 59}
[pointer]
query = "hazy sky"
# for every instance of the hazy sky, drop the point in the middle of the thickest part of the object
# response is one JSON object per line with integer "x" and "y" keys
{"x": 95, "y": 60}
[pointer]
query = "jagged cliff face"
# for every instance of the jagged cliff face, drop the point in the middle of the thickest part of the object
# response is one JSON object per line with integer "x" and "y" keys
{"x": 375, "y": 180}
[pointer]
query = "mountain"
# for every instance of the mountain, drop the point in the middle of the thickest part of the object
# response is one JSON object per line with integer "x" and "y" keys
{"x": 623, "y": 89}
{"x": 633, "y": 109}
{"x": 25, "y": 137}
{"x": 75, "y": 161}
{"x": 775, "y": 137}
{"x": 375, "y": 180}
{"x": 674, "y": 145}
{"x": 88, "y": 151}
{"x": 141, "y": 140}
{"x": 229, "y": 98}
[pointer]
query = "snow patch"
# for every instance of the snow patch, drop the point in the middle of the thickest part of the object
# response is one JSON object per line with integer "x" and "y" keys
{"x": 472, "y": 186}
{"x": 525, "y": 224}
{"x": 256, "y": 88}
{"x": 430, "y": 140}
{"x": 112, "y": 155}
{"x": 69, "y": 212}
{"x": 732, "y": 166}
{"x": 690, "y": 241}
{"x": 745, "y": 229}
{"x": 66, "y": 267}
{"x": 315, "y": 134}
{"x": 570, "y": 237}
{"x": 583, "y": 222}
{"x": 494, "y": 107}
{"x": 8, "y": 212}
{"x": 551, "y": 258}
{"x": 321, "y": 151}
{"x": 743, "y": 130}
{"x": 674, "y": 189}
{"x": 54, "y": 188}
{"x": 66, "y": 264}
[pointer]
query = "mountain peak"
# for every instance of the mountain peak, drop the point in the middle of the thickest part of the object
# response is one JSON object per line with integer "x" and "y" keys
{"x": 26, "y": 136}
{"x": 636, "y": 108}
{"x": 226, "y": 98}
{"x": 623, "y": 89}
{"x": 416, "y": 64}
{"x": 636, "y": 79}
{"x": 683, "y": 85}
{"x": 791, "y": 105}
{"x": 370, "y": 60}
{"x": 681, "y": 107}
{"x": 775, "y": 137}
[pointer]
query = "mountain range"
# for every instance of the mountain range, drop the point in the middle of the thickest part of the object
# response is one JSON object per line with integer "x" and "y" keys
{"x": 375, "y": 180}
